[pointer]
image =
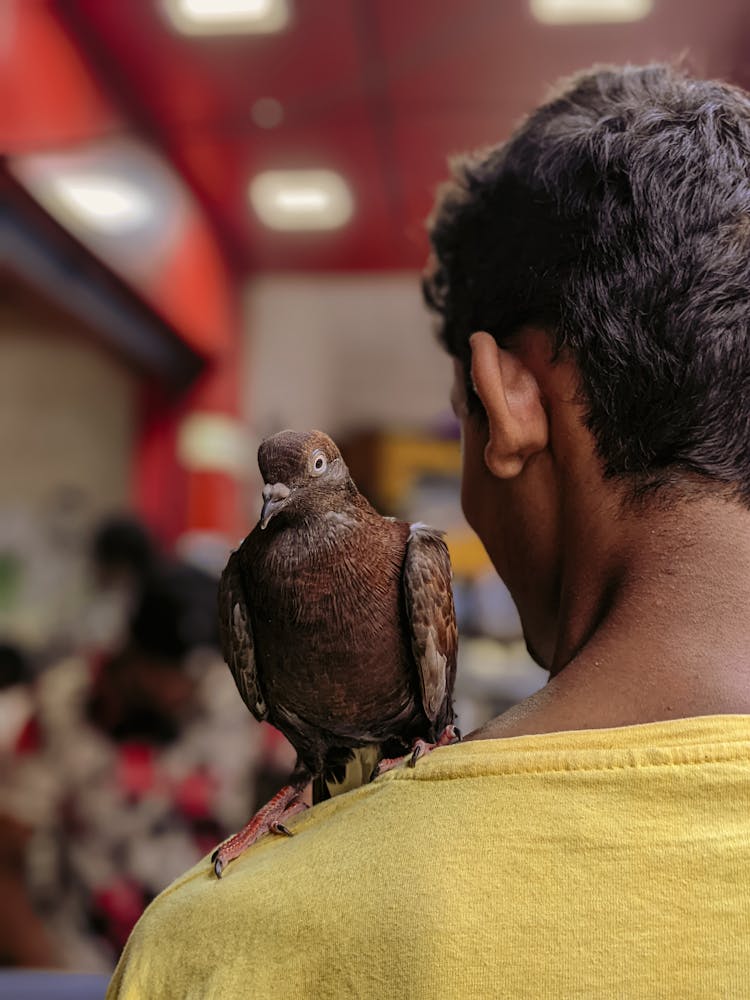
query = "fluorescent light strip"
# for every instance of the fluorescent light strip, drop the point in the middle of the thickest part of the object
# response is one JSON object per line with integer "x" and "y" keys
{"x": 589, "y": 11}
{"x": 301, "y": 199}
{"x": 223, "y": 17}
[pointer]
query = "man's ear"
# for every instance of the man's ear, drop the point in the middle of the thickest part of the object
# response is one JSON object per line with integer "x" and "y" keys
{"x": 509, "y": 392}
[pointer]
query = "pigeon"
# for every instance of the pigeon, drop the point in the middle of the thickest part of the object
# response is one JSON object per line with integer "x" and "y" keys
{"x": 337, "y": 624}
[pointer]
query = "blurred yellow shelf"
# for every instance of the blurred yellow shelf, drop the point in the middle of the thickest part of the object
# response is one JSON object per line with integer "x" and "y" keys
{"x": 402, "y": 460}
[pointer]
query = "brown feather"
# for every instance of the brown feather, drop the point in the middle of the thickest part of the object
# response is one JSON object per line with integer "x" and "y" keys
{"x": 429, "y": 604}
{"x": 236, "y": 637}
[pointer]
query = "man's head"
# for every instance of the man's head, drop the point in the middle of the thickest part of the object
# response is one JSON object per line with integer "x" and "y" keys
{"x": 605, "y": 248}
{"x": 122, "y": 551}
{"x": 175, "y": 616}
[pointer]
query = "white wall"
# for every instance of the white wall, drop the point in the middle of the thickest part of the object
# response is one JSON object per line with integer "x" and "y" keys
{"x": 341, "y": 352}
{"x": 66, "y": 418}
{"x": 67, "y": 412}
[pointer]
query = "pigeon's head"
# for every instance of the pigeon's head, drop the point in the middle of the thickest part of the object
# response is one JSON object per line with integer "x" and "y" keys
{"x": 301, "y": 472}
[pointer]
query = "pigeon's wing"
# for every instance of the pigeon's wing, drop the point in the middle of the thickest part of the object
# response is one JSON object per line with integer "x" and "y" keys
{"x": 236, "y": 632}
{"x": 429, "y": 605}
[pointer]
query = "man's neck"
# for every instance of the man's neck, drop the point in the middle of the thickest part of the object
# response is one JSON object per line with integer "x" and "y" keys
{"x": 656, "y": 629}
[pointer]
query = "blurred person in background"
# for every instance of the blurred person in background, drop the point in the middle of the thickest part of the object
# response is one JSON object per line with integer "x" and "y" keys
{"x": 132, "y": 766}
{"x": 15, "y": 693}
{"x": 122, "y": 556}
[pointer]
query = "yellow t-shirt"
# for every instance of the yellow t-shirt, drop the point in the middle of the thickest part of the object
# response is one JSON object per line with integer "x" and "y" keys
{"x": 611, "y": 863}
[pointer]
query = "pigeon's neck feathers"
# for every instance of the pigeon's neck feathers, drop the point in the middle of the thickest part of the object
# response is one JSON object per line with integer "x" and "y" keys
{"x": 318, "y": 511}
{"x": 313, "y": 537}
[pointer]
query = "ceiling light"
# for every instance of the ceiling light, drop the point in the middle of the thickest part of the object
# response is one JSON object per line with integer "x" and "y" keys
{"x": 301, "y": 199}
{"x": 224, "y": 17}
{"x": 589, "y": 11}
{"x": 267, "y": 112}
{"x": 117, "y": 197}
{"x": 108, "y": 203}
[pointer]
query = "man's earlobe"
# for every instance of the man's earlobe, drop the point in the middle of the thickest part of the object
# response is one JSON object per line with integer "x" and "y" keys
{"x": 509, "y": 391}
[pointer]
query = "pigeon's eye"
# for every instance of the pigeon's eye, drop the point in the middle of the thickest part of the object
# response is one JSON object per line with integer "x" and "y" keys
{"x": 318, "y": 463}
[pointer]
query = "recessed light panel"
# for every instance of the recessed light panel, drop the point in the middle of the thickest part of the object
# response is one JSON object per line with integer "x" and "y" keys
{"x": 102, "y": 201}
{"x": 227, "y": 17}
{"x": 301, "y": 199}
{"x": 589, "y": 11}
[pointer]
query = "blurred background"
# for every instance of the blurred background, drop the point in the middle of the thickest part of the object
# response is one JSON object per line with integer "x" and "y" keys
{"x": 212, "y": 228}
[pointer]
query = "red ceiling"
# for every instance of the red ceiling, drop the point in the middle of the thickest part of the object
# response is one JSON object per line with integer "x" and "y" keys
{"x": 381, "y": 90}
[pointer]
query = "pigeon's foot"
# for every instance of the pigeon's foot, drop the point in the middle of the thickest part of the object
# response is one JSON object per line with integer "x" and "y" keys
{"x": 420, "y": 748}
{"x": 270, "y": 819}
{"x": 449, "y": 735}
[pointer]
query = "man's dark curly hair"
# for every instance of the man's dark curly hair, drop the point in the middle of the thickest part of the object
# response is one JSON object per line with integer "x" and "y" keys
{"x": 617, "y": 217}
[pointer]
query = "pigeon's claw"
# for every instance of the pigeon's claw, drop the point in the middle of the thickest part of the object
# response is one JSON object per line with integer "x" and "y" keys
{"x": 421, "y": 748}
{"x": 269, "y": 819}
{"x": 451, "y": 734}
{"x": 280, "y": 828}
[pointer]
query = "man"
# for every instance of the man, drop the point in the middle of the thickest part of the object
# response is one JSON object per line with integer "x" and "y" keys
{"x": 593, "y": 278}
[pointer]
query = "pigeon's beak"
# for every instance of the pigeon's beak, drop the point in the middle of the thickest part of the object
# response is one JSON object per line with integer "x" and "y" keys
{"x": 275, "y": 496}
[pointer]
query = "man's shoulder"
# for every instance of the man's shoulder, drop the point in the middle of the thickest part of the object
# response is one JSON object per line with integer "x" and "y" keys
{"x": 438, "y": 874}
{"x": 275, "y": 907}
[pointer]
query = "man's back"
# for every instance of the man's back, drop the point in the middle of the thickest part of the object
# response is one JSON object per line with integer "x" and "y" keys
{"x": 596, "y": 863}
